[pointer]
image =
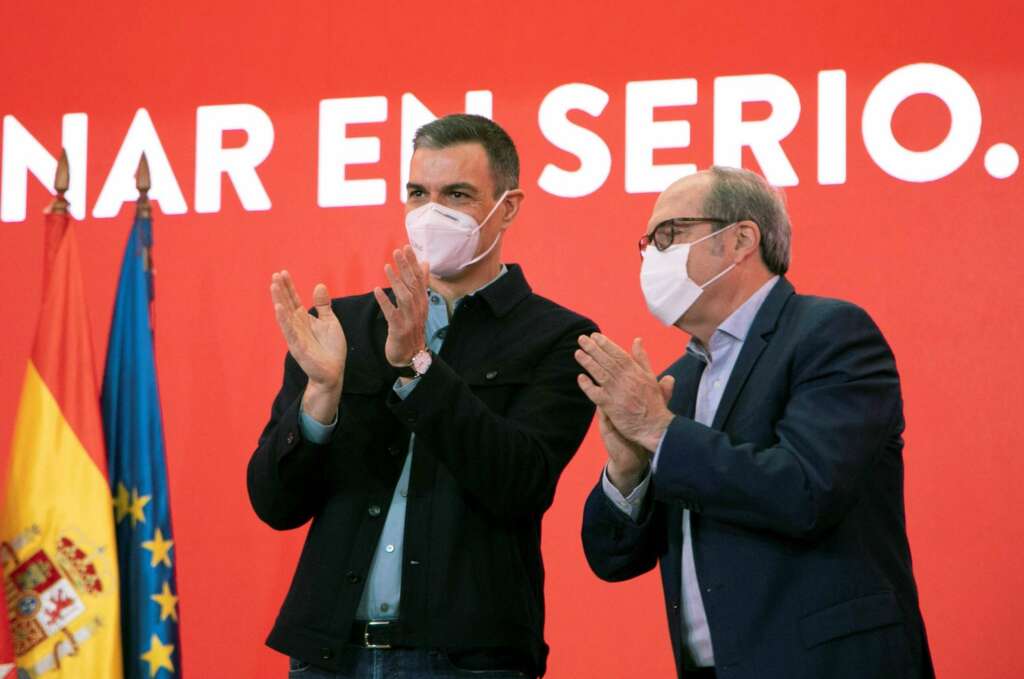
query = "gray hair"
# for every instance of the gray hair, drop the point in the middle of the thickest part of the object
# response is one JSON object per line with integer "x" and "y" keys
{"x": 738, "y": 194}
{"x": 466, "y": 128}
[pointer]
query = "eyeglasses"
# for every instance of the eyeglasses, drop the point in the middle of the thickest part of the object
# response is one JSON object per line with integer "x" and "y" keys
{"x": 665, "y": 233}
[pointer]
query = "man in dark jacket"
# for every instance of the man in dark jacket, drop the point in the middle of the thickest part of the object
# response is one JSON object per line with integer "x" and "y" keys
{"x": 769, "y": 486}
{"x": 422, "y": 429}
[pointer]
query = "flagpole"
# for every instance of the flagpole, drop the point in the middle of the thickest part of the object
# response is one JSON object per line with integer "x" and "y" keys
{"x": 142, "y": 208}
{"x": 60, "y": 185}
{"x": 56, "y": 219}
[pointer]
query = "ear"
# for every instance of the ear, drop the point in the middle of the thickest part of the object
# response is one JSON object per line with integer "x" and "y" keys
{"x": 510, "y": 207}
{"x": 748, "y": 239}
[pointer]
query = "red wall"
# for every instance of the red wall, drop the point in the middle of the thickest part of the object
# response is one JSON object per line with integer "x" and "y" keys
{"x": 936, "y": 262}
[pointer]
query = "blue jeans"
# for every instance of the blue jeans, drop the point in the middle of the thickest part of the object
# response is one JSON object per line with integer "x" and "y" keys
{"x": 397, "y": 663}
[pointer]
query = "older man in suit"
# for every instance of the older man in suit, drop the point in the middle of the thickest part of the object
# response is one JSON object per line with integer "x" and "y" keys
{"x": 764, "y": 470}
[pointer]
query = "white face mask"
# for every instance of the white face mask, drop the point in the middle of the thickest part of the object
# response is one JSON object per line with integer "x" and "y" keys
{"x": 446, "y": 238}
{"x": 666, "y": 283}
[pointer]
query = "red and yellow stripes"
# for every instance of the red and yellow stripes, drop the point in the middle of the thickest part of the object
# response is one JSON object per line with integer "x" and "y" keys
{"x": 59, "y": 553}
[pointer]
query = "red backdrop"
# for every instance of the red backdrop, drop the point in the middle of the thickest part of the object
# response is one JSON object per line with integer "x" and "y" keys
{"x": 918, "y": 230}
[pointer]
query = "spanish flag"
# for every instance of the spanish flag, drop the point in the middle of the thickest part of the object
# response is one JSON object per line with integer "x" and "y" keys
{"x": 57, "y": 542}
{"x": 6, "y": 649}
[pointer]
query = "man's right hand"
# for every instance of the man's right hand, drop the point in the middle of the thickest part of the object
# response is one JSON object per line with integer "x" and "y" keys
{"x": 317, "y": 343}
{"x": 628, "y": 461}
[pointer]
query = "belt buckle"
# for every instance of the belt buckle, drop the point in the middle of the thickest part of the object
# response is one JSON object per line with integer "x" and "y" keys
{"x": 366, "y": 634}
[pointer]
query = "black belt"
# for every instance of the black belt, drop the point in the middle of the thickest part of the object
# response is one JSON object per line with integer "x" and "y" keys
{"x": 375, "y": 633}
{"x": 386, "y": 633}
{"x": 699, "y": 673}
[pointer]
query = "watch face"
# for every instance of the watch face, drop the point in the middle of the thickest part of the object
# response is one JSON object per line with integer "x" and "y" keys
{"x": 421, "y": 361}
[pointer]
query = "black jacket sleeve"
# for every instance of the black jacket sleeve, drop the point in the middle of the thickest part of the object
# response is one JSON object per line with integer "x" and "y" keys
{"x": 285, "y": 480}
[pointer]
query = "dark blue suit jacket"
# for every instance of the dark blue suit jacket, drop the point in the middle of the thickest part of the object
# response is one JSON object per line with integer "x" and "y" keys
{"x": 796, "y": 494}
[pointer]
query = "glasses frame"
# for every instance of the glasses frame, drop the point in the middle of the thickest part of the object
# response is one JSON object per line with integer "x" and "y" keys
{"x": 675, "y": 226}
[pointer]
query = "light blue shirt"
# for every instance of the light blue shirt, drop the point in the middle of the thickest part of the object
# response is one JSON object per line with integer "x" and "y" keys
{"x": 720, "y": 359}
{"x": 383, "y": 592}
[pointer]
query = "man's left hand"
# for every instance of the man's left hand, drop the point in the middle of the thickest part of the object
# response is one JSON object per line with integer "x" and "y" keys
{"x": 408, "y": 318}
{"x": 625, "y": 388}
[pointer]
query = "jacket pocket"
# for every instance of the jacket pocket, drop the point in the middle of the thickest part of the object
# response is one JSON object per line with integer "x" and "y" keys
{"x": 497, "y": 386}
{"x": 850, "y": 617}
{"x": 499, "y": 375}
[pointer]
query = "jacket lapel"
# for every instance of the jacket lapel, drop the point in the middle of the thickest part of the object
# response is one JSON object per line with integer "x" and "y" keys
{"x": 684, "y": 394}
{"x": 757, "y": 339}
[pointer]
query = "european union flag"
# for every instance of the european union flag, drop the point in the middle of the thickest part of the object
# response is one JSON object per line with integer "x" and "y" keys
{"x": 138, "y": 473}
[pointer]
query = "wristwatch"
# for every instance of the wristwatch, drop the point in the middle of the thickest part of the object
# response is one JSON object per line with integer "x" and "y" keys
{"x": 421, "y": 361}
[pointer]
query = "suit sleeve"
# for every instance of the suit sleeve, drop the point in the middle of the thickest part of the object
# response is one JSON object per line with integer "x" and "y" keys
{"x": 285, "y": 482}
{"x": 843, "y": 404}
{"x": 618, "y": 547}
{"x": 509, "y": 463}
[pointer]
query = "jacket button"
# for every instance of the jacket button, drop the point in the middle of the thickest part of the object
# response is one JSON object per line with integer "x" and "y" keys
{"x": 393, "y": 449}
{"x": 326, "y": 653}
{"x": 374, "y": 510}
{"x": 491, "y": 375}
{"x": 290, "y": 439}
{"x": 675, "y": 605}
{"x": 353, "y": 577}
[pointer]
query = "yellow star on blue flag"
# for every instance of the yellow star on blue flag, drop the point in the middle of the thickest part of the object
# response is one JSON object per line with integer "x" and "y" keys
{"x": 158, "y": 657}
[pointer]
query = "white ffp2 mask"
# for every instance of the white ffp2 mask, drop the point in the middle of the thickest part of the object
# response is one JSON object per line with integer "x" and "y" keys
{"x": 446, "y": 238}
{"x": 666, "y": 283}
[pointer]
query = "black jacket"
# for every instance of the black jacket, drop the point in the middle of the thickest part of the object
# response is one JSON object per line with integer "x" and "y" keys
{"x": 796, "y": 499}
{"x": 497, "y": 417}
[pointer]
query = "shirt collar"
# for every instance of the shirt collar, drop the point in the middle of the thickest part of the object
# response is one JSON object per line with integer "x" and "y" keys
{"x": 737, "y": 325}
{"x": 502, "y": 272}
{"x": 434, "y": 296}
{"x": 739, "y": 322}
{"x": 506, "y": 291}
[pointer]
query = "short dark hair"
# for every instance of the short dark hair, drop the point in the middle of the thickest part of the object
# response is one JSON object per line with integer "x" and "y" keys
{"x": 466, "y": 128}
{"x": 738, "y": 194}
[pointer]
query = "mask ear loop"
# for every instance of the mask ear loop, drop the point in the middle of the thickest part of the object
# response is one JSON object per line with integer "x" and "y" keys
{"x": 719, "y": 275}
{"x": 480, "y": 227}
{"x": 728, "y": 268}
{"x": 500, "y": 200}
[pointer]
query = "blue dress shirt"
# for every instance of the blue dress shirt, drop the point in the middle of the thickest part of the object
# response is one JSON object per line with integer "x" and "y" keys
{"x": 720, "y": 358}
{"x": 383, "y": 592}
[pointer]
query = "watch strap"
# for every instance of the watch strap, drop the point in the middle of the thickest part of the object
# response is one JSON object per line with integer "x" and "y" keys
{"x": 409, "y": 371}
